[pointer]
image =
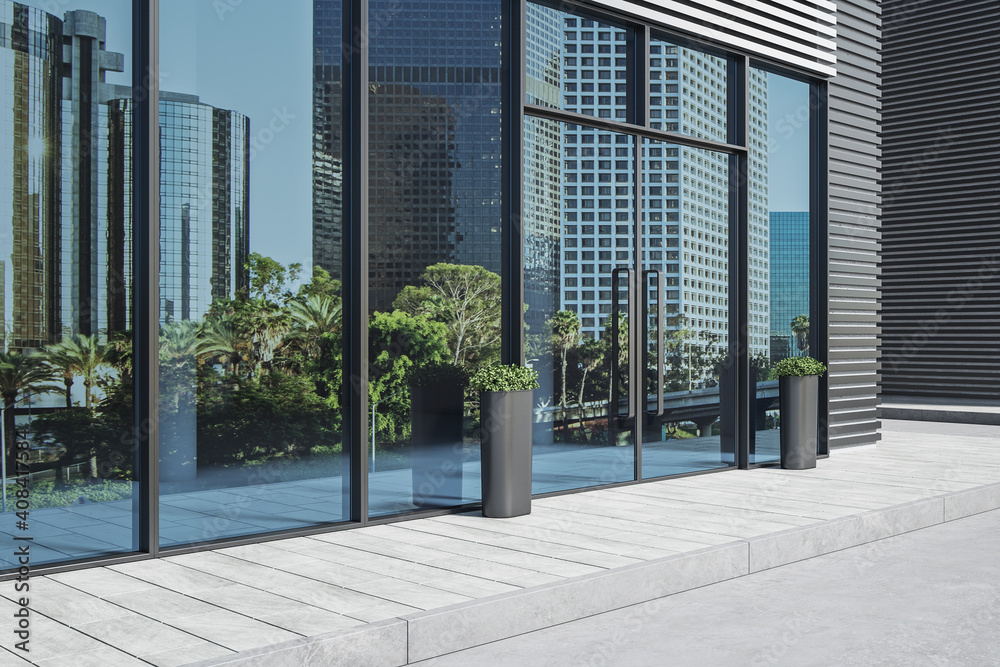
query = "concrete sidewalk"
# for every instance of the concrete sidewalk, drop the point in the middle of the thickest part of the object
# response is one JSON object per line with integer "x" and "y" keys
{"x": 929, "y": 597}
{"x": 399, "y": 593}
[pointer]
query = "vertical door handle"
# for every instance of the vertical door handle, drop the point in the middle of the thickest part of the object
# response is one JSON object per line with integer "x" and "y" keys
{"x": 615, "y": 341}
{"x": 659, "y": 334}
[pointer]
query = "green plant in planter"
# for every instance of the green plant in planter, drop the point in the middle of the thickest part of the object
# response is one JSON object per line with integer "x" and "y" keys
{"x": 441, "y": 373}
{"x": 799, "y": 367}
{"x": 498, "y": 377}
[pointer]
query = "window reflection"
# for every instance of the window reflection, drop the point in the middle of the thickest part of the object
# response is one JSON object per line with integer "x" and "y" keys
{"x": 250, "y": 309}
{"x": 687, "y": 91}
{"x": 65, "y": 268}
{"x": 780, "y": 266}
{"x": 434, "y": 245}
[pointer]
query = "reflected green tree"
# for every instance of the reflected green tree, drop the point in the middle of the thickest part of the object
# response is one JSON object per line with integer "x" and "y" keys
{"x": 800, "y": 327}
{"x": 466, "y": 299}
{"x": 20, "y": 375}
{"x": 565, "y": 327}
{"x": 397, "y": 341}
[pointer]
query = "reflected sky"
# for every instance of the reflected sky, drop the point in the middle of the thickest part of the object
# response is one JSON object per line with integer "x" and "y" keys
{"x": 236, "y": 56}
{"x": 788, "y": 143}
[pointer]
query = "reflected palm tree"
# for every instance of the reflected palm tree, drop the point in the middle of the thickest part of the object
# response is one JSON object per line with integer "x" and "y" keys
{"x": 591, "y": 356}
{"x": 76, "y": 355}
{"x": 20, "y": 375}
{"x": 218, "y": 339}
{"x": 317, "y": 315}
{"x": 565, "y": 335}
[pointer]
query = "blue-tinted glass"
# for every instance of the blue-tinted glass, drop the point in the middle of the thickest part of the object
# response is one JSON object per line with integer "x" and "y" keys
{"x": 65, "y": 277}
{"x": 685, "y": 216}
{"x": 434, "y": 237}
{"x": 250, "y": 303}
{"x": 579, "y": 229}
{"x": 576, "y": 64}
{"x": 687, "y": 91}
{"x": 779, "y": 212}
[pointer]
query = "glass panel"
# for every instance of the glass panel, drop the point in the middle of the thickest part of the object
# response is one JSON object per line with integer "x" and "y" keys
{"x": 250, "y": 306}
{"x": 687, "y": 91}
{"x": 69, "y": 475}
{"x": 685, "y": 223}
{"x": 780, "y": 274}
{"x": 576, "y": 63}
{"x": 434, "y": 215}
{"x": 578, "y": 229}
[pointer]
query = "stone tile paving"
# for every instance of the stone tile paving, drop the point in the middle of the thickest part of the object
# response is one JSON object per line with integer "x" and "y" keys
{"x": 192, "y": 607}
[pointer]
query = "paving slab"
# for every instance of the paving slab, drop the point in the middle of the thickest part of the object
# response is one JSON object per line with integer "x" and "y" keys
{"x": 392, "y": 594}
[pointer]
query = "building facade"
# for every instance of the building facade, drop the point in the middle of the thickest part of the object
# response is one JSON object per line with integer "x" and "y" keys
{"x": 940, "y": 278}
{"x": 594, "y": 190}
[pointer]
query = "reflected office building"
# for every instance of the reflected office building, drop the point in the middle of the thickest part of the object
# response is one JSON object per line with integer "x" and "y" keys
{"x": 65, "y": 255}
{"x": 31, "y": 48}
{"x": 790, "y": 280}
{"x": 204, "y": 201}
{"x": 434, "y": 193}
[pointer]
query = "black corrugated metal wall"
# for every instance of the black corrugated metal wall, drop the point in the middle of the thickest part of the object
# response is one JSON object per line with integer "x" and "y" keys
{"x": 941, "y": 137}
{"x": 854, "y": 200}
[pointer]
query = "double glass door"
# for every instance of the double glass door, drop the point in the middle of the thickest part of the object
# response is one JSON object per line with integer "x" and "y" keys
{"x": 627, "y": 306}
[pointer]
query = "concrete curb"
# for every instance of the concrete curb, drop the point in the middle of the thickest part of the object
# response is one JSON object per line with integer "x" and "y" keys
{"x": 981, "y": 418}
{"x": 436, "y": 632}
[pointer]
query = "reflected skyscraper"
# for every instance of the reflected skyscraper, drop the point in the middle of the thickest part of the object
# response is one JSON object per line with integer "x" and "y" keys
{"x": 204, "y": 202}
{"x": 434, "y": 194}
{"x": 65, "y": 211}
{"x": 31, "y": 58}
{"x": 790, "y": 251}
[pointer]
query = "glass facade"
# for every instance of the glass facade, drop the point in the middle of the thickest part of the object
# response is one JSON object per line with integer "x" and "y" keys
{"x": 647, "y": 295}
{"x": 69, "y": 478}
{"x": 250, "y": 328}
{"x": 780, "y": 191}
{"x": 434, "y": 274}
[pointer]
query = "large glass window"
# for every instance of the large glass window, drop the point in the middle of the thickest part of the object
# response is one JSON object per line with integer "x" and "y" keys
{"x": 576, "y": 63}
{"x": 65, "y": 268}
{"x": 250, "y": 299}
{"x": 687, "y": 90}
{"x": 780, "y": 242}
{"x": 579, "y": 248}
{"x": 690, "y": 408}
{"x": 435, "y": 247}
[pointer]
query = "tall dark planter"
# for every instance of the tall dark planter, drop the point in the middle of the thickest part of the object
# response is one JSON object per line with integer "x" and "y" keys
{"x": 506, "y": 423}
{"x": 799, "y": 403}
{"x": 436, "y": 445}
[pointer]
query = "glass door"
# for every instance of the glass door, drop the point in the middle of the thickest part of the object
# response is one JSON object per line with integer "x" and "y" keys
{"x": 687, "y": 397}
{"x": 579, "y": 290}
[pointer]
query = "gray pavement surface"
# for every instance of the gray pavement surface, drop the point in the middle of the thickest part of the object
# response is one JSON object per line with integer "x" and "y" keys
{"x": 930, "y": 597}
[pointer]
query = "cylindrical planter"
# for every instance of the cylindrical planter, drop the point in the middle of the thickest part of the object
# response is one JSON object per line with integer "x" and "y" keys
{"x": 436, "y": 444}
{"x": 799, "y": 403}
{"x": 506, "y": 452}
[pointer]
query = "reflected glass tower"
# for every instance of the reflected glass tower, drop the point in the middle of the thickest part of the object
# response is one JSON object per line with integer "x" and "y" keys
{"x": 434, "y": 189}
{"x": 789, "y": 278}
{"x": 31, "y": 108}
{"x": 204, "y": 202}
{"x": 65, "y": 206}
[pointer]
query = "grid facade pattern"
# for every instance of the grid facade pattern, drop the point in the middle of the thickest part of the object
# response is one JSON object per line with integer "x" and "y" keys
{"x": 790, "y": 243}
{"x": 327, "y": 171}
{"x": 204, "y": 204}
{"x": 542, "y": 189}
{"x": 685, "y": 214}
{"x": 31, "y": 109}
{"x": 435, "y": 185}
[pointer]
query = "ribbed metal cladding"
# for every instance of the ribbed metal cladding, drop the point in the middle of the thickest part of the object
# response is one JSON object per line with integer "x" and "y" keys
{"x": 854, "y": 220}
{"x": 941, "y": 133}
{"x": 801, "y": 33}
